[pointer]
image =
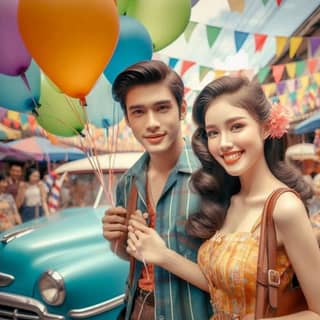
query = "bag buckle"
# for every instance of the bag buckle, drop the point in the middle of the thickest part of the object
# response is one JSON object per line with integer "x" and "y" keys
{"x": 273, "y": 278}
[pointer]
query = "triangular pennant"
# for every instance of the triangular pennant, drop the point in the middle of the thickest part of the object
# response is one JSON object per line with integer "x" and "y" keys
{"x": 189, "y": 30}
{"x": 291, "y": 69}
{"x": 314, "y": 45}
{"x": 236, "y": 5}
{"x": 279, "y": 2}
{"x": 291, "y": 85}
{"x": 316, "y": 78}
{"x": 312, "y": 65}
{"x": 186, "y": 90}
{"x": 300, "y": 67}
{"x": 304, "y": 81}
{"x": 212, "y": 34}
{"x": 280, "y": 44}
{"x": 203, "y": 71}
{"x": 277, "y": 72}
{"x": 265, "y": 2}
{"x": 219, "y": 73}
{"x": 262, "y": 74}
{"x": 240, "y": 37}
{"x": 295, "y": 43}
{"x": 185, "y": 66}
{"x": 281, "y": 87}
{"x": 293, "y": 96}
{"x": 173, "y": 62}
{"x": 13, "y": 115}
{"x": 259, "y": 40}
{"x": 300, "y": 94}
{"x": 283, "y": 98}
{"x": 269, "y": 89}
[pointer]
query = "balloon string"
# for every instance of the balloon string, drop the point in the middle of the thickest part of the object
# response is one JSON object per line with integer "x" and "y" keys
{"x": 27, "y": 84}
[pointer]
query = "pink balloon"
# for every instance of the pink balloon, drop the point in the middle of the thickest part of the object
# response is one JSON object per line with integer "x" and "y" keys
{"x": 14, "y": 57}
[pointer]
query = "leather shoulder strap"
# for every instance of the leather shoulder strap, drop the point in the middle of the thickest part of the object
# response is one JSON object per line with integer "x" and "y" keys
{"x": 131, "y": 207}
{"x": 268, "y": 279}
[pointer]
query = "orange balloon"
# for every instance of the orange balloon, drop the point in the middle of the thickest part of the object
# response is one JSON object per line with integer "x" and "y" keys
{"x": 71, "y": 40}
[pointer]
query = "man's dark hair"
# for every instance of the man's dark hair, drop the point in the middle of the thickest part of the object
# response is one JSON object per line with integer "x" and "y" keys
{"x": 147, "y": 72}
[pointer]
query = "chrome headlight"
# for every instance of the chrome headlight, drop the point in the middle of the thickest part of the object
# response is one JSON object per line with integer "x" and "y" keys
{"x": 51, "y": 287}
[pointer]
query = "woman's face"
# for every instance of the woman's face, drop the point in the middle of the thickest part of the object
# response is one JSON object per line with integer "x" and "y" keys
{"x": 235, "y": 138}
{"x": 34, "y": 177}
{"x": 3, "y": 185}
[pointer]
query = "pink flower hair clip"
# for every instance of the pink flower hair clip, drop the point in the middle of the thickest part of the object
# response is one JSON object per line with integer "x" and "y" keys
{"x": 279, "y": 120}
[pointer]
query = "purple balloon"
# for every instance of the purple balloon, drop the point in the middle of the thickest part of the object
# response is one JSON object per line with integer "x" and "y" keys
{"x": 14, "y": 57}
{"x": 193, "y": 2}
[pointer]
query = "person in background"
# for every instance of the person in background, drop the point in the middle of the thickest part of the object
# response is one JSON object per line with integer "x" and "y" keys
{"x": 239, "y": 142}
{"x": 15, "y": 179}
{"x": 151, "y": 96}
{"x": 32, "y": 197}
{"x": 9, "y": 215}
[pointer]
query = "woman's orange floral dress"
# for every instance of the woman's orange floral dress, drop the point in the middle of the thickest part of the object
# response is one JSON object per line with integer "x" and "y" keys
{"x": 230, "y": 264}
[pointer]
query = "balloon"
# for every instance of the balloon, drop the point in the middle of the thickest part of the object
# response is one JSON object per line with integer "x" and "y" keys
{"x": 14, "y": 57}
{"x": 134, "y": 45}
{"x": 122, "y": 6}
{"x": 59, "y": 114}
{"x": 164, "y": 19}
{"x": 14, "y": 93}
{"x": 72, "y": 41}
{"x": 102, "y": 110}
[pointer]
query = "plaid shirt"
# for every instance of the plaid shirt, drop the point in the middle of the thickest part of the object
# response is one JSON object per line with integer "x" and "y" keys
{"x": 175, "y": 299}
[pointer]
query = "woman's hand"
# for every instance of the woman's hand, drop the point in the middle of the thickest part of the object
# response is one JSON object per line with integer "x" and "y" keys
{"x": 144, "y": 243}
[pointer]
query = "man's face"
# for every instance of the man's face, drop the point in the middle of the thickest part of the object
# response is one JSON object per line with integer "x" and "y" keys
{"x": 15, "y": 172}
{"x": 153, "y": 115}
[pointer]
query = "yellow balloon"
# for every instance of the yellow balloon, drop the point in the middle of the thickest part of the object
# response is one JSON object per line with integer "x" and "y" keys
{"x": 71, "y": 40}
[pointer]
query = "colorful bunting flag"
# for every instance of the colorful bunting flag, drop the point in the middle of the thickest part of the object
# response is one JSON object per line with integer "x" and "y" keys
{"x": 300, "y": 67}
{"x": 277, "y": 72}
{"x": 280, "y": 44}
{"x": 265, "y": 2}
{"x": 259, "y": 40}
{"x": 279, "y": 2}
{"x": 240, "y": 37}
{"x": 314, "y": 45}
{"x": 291, "y": 69}
{"x": 203, "y": 71}
{"x": 186, "y": 65}
{"x": 236, "y": 5}
{"x": 263, "y": 73}
{"x": 312, "y": 64}
{"x": 212, "y": 34}
{"x": 295, "y": 43}
{"x": 173, "y": 62}
{"x": 189, "y": 30}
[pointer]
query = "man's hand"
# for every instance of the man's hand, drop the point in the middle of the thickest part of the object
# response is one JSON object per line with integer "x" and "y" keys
{"x": 114, "y": 223}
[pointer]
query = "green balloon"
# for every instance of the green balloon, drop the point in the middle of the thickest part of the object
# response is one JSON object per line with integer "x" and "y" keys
{"x": 164, "y": 19}
{"x": 122, "y": 6}
{"x": 58, "y": 113}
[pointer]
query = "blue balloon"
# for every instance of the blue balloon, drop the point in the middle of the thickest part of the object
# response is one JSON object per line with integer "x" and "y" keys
{"x": 14, "y": 93}
{"x": 102, "y": 110}
{"x": 134, "y": 45}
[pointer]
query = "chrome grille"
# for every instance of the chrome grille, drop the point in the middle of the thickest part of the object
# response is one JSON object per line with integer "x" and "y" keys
{"x": 10, "y": 313}
{"x": 16, "y": 307}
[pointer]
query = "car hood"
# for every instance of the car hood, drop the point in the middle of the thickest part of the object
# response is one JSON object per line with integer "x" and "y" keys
{"x": 69, "y": 242}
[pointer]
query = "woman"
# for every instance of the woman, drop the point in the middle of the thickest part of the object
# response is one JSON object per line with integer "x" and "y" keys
{"x": 239, "y": 142}
{"x": 32, "y": 197}
{"x": 9, "y": 215}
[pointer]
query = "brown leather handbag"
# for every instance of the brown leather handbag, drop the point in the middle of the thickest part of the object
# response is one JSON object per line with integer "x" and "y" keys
{"x": 271, "y": 301}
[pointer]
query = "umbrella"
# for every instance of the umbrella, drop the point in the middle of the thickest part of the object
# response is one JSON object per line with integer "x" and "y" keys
{"x": 301, "y": 151}
{"x": 9, "y": 153}
{"x": 45, "y": 150}
{"x": 308, "y": 125}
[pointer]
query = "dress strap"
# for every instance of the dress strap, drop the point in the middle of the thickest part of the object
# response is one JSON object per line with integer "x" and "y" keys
{"x": 256, "y": 224}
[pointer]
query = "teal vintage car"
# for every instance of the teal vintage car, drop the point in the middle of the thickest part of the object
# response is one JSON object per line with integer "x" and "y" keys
{"x": 60, "y": 267}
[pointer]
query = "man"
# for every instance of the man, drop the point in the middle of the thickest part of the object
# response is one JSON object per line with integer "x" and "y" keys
{"x": 151, "y": 96}
{"x": 15, "y": 179}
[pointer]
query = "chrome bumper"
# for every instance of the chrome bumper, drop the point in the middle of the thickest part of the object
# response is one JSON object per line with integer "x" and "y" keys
{"x": 17, "y": 307}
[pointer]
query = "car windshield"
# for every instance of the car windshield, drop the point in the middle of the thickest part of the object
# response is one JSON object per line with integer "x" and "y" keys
{"x": 82, "y": 190}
